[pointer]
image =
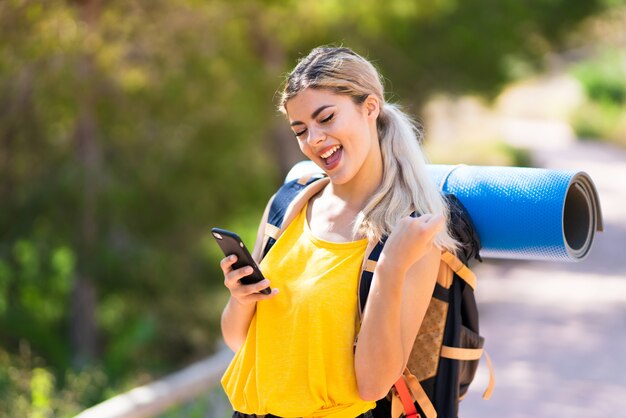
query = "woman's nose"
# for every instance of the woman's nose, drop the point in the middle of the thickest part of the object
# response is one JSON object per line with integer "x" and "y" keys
{"x": 316, "y": 136}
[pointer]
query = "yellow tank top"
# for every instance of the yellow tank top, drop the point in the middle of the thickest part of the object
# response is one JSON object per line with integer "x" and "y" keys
{"x": 297, "y": 359}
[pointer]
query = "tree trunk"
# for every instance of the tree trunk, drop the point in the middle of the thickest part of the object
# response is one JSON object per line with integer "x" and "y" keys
{"x": 278, "y": 136}
{"x": 83, "y": 323}
{"x": 15, "y": 111}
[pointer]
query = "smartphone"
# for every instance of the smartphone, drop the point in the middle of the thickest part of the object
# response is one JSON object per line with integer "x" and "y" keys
{"x": 230, "y": 243}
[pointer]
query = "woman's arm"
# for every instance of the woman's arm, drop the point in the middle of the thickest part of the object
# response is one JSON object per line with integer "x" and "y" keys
{"x": 401, "y": 290}
{"x": 241, "y": 306}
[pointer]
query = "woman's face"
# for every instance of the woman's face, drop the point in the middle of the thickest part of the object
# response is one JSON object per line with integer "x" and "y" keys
{"x": 335, "y": 133}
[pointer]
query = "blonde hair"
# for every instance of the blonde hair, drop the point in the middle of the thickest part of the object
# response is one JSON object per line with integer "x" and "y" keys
{"x": 406, "y": 185}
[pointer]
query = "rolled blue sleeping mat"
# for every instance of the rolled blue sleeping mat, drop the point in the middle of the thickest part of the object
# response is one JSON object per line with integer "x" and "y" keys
{"x": 518, "y": 212}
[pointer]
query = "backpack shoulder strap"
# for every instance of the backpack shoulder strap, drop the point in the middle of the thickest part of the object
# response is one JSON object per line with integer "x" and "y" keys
{"x": 287, "y": 203}
{"x": 459, "y": 268}
{"x": 372, "y": 254}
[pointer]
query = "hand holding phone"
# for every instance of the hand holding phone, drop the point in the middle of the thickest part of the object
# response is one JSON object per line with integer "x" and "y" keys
{"x": 230, "y": 243}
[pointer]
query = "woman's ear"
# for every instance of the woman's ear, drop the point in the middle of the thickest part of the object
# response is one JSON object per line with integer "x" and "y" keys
{"x": 372, "y": 106}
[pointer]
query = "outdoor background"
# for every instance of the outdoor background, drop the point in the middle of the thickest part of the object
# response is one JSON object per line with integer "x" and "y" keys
{"x": 129, "y": 128}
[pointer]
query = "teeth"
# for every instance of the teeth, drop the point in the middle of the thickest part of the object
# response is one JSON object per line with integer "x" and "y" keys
{"x": 330, "y": 151}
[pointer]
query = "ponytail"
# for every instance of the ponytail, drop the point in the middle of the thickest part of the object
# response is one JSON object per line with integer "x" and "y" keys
{"x": 406, "y": 185}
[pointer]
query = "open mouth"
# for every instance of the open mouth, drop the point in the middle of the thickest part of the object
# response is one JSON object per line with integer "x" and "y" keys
{"x": 332, "y": 156}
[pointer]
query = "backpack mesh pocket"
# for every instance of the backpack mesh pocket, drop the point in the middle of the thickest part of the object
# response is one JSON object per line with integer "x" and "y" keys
{"x": 467, "y": 368}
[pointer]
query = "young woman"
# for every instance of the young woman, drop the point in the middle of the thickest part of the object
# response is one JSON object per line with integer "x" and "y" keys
{"x": 296, "y": 354}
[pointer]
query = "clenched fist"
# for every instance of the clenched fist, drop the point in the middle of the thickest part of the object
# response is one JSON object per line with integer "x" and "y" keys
{"x": 410, "y": 240}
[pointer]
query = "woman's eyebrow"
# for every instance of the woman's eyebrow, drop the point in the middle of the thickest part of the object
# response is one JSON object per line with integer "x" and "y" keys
{"x": 313, "y": 115}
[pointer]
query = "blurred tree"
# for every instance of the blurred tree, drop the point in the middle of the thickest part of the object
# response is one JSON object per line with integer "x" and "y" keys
{"x": 83, "y": 321}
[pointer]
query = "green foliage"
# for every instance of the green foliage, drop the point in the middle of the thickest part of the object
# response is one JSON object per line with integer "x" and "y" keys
{"x": 600, "y": 121}
{"x": 454, "y": 46}
{"x": 41, "y": 387}
{"x": 603, "y": 115}
{"x": 604, "y": 78}
{"x": 36, "y": 280}
{"x": 128, "y": 129}
{"x": 29, "y": 388}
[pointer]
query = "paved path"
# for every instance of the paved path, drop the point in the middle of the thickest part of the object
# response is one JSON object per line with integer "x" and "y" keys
{"x": 556, "y": 332}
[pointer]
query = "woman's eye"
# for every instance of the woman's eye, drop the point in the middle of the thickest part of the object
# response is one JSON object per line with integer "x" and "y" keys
{"x": 328, "y": 118}
{"x": 300, "y": 133}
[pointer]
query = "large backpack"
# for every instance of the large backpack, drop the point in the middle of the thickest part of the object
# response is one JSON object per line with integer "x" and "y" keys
{"x": 447, "y": 348}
